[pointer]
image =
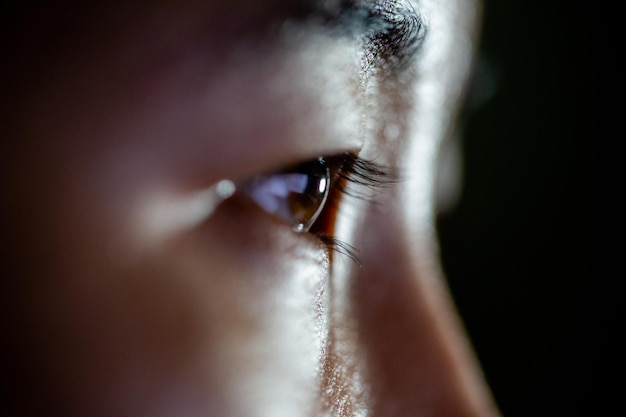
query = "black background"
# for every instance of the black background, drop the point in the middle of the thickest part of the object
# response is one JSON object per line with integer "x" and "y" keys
{"x": 527, "y": 248}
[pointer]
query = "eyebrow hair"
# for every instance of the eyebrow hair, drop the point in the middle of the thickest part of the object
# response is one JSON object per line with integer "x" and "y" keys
{"x": 392, "y": 31}
{"x": 398, "y": 33}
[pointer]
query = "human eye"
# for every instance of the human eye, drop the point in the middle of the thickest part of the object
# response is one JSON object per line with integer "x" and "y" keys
{"x": 308, "y": 196}
{"x": 296, "y": 195}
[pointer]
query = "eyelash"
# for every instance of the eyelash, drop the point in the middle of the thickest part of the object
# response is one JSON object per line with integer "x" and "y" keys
{"x": 347, "y": 169}
{"x": 307, "y": 196}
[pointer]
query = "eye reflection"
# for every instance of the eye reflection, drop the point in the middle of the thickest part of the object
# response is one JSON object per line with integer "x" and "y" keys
{"x": 296, "y": 195}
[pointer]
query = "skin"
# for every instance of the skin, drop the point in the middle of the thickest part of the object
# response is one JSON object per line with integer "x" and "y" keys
{"x": 124, "y": 110}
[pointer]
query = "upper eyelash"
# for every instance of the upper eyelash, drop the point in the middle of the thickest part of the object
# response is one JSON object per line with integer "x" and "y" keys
{"x": 356, "y": 170}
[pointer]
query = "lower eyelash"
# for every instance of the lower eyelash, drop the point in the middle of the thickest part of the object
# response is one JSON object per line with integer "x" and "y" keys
{"x": 335, "y": 245}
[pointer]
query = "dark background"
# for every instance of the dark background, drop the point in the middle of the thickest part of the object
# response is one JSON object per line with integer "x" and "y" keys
{"x": 525, "y": 249}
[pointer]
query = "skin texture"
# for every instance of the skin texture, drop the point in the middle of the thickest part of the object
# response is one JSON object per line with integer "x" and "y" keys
{"x": 116, "y": 110}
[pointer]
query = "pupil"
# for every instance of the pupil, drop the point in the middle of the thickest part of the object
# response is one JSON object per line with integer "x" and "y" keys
{"x": 296, "y": 195}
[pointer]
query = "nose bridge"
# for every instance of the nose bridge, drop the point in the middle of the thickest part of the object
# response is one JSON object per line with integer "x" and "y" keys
{"x": 417, "y": 355}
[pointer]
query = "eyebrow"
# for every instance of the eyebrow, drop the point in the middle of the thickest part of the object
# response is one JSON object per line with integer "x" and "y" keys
{"x": 398, "y": 32}
{"x": 392, "y": 31}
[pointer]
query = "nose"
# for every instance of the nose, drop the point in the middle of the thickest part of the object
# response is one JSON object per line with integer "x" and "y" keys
{"x": 417, "y": 357}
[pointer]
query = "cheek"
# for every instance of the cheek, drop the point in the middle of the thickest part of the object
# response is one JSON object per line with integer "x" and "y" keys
{"x": 263, "y": 288}
{"x": 225, "y": 319}
{"x": 228, "y": 318}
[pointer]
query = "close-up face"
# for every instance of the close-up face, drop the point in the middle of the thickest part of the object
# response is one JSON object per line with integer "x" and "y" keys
{"x": 226, "y": 209}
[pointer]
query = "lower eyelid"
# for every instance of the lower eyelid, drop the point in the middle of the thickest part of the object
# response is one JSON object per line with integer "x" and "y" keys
{"x": 241, "y": 224}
